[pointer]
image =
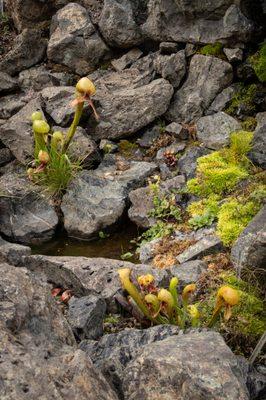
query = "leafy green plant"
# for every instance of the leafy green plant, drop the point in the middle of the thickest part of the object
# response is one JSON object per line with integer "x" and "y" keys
{"x": 215, "y": 49}
{"x": 204, "y": 212}
{"x": 103, "y": 235}
{"x": 243, "y": 99}
{"x": 249, "y": 124}
{"x": 55, "y": 166}
{"x": 158, "y": 230}
{"x": 127, "y": 256}
{"x": 165, "y": 208}
{"x": 167, "y": 306}
{"x": 258, "y": 62}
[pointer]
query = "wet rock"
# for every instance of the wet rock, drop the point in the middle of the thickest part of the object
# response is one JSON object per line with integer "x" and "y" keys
{"x": 86, "y": 276}
{"x": 118, "y": 25}
{"x": 214, "y": 130}
{"x": 12, "y": 252}
{"x": 38, "y": 360}
{"x": 57, "y": 103}
{"x": 208, "y": 245}
{"x": 7, "y": 83}
{"x": 113, "y": 352}
{"x": 11, "y": 104}
{"x": 5, "y": 156}
{"x": 249, "y": 251}
{"x": 124, "y": 111}
{"x": 171, "y": 67}
{"x": 223, "y": 99}
{"x": 85, "y": 316}
{"x": 127, "y": 59}
{"x": 258, "y": 151}
{"x": 167, "y": 48}
{"x": 28, "y": 49}
{"x": 196, "y": 22}
{"x": 188, "y": 272}
{"x": 97, "y": 199}
{"x": 16, "y": 133}
{"x": 142, "y": 201}
{"x": 196, "y": 365}
{"x": 233, "y": 55}
{"x": 187, "y": 163}
{"x": 74, "y": 41}
{"x": 27, "y": 216}
{"x": 177, "y": 130}
{"x": 206, "y": 78}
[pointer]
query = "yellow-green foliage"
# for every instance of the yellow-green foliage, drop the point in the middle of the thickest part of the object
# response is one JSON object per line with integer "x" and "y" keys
{"x": 127, "y": 148}
{"x": 233, "y": 217}
{"x": 219, "y": 172}
{"x": 215, "y": 49}
{"x": 249, "y": 124}
{"x": 203, "y": 212}
{"x": 258, "y": 62}
{"x": 248, "y": 319}
{"x": 244, "y": 97}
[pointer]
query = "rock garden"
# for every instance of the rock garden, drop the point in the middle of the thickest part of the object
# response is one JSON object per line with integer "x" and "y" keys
{"x": 132, "y": 200}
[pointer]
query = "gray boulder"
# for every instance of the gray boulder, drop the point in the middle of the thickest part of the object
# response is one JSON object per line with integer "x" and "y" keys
{"x": 12, "y": 252}
{"x": 17, "y": 134}
{"x": 188, "y": 272}
{"x": 5, "y": 156}
{"x": 258, "y": 151}
{"x": 223, "y": 99}
{"x": 96, "y": 200}
{"x": 117, "y": 24}
{"x": 206, "y": 78}
{"x": 177, "y": 130}
{"x": 113, "y": 352}
{"x": 249, "y": 251}
{"x": 124, "y": 111}
{"x": 85, "y": 316}
{"x": 27, "y": 216}
{"x": 7, "y": 83}
{"x": 214, "y": 130}
{"x": 187, "y": 163}
{"x": 39, "y": 358}
{"x": 208, "y": 245}
{"x": 37, "y": 78}
{"x": 11, "y": 104}
{"x": 233, "y": 55}
{"x": 196, "y": 365}
{"x": 197, "y": 21}
{"x": 28, "y": 49}
{"x": 74, "y": 41}
{"x": 171, "y": 67}
{"x": 127, "y": 59}
{"x": 86, "y": 276}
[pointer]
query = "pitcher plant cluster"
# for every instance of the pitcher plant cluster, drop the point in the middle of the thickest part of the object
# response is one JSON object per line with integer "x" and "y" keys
{"x": 167, "y": 306}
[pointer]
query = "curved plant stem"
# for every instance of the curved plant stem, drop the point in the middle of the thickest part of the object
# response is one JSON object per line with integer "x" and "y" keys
{"x": 73, "y": 127}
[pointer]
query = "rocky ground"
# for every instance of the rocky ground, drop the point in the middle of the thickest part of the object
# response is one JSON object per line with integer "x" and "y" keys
{"x": 165, "y": 99}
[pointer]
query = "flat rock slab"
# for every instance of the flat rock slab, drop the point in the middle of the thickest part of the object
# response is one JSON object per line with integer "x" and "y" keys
{"x": 89, "y": 275}
{"x": 207, "y": 77}
{"x": 214, "y": 130}
{"x": 196, "y": 365}
{"x": 208, "y": 245}
{"x": 188, "y": 272}
{"x": 96, "y": 200}
{"x": 27, "y": 216}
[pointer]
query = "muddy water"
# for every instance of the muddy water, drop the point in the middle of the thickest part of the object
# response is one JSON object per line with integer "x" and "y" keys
{"x": 111, "y": 247}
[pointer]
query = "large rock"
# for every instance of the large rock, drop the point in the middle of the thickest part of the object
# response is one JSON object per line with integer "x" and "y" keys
{"x": 258, "y": 151}
{"x": 197, "y": 365}
{"x": 125, "y": 110}
{"x": 223, "y": 99}
{"x": 11, "y": 104}
{"x": 142, "y": 201}
{"x": 7, "y": 83}
{"x": 197, "y": 21}
{"x": 38, "y": 357}
{"x": 208, "y": 245}
{"x": 12, "y": 252}
{"x": 85, "y": 316}
{"x": 171, "y": 67}
{"x": 97, "y": 199}
{"x": 28, "y": 49}
{"x": 74, "y": 41}
{"x": 249, "y": 251}
{"x": 187, "y": 164}
{"x": 27, "y": 216}
{"x": 214, "y": 130}
{"x": 118, "y": 25}
{"x": 207, "y": 77}
{"x": 17, "y": 134}
{"x": 112, "y": 353}
{"x": 86, "y": 276}
{"x": 188, "y": 272}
